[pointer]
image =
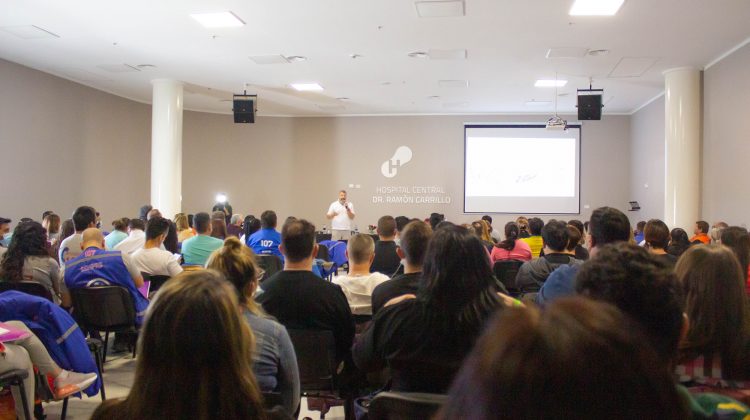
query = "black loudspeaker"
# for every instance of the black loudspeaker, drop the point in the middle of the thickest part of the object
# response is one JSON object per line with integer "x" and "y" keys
{"x": 244, "y": 109}
{"x": 589, "y": 104}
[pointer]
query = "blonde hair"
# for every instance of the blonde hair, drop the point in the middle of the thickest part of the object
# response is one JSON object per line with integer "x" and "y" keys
{"x": 181, "y": 220}
{"x": 237, "y": 263}
{"x": 360, "y": 248}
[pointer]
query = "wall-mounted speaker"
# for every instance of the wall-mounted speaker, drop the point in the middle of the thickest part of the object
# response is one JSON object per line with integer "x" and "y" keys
{"x": 590, "y": 104}
{"x": 243, "y": 107}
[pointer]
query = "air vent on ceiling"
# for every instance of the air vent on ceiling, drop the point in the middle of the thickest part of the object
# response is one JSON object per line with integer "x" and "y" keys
{"x": 632, "y": 66}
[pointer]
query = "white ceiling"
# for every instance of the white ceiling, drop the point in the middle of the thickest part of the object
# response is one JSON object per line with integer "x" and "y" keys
{"x": 506, "y": 43}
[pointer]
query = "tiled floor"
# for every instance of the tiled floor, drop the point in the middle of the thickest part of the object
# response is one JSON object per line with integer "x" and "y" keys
{"x": 119, "y": 373}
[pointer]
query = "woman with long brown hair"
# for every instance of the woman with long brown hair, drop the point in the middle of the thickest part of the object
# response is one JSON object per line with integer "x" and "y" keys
{"x": 716, "y": 346}
{"x": 28, "y": 259}
{"x": 192, "y": 361}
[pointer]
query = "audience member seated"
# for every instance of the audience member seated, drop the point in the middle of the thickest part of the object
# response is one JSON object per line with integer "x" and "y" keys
{"x": 523, "y": 227}
{"x": 646, "y": 289}
{"x": 234, "y": 228}
{"x": 607, "y": 225}
{"x": 700, "y": 233}
{"x": 301, "y": 300}
{"x": 66, "y": 230}
{"x": 401, "y": 222}
{"x": 249, "y": 226}
{"x": 424, "y": 339}
{"x": 533, "y": 274}
{"x": 51, "y": 223}
{"x": 678, "y": 242}
{"x": 511, "y": 248}
{"x": 28, "y": 259}
{"x": 4, "y": 229}
{"x": 143, "y": 212}
{"x": 196, "y": 250}
{"x": 118, "y": 234}
{"x": 482, "y": 230}
{"x": 83, "y": 218}
{"x": 153, "y": 213}
{"x": 136, "y": 237}
{"x": 656, "y": 235}
{"x": 151, "y": 258}
{"x": 386, "y": 259}
{"x": 716, "y": 345}
{"x": 565, "y": 363}
{"x": 575, "y": 239}
{"x": 737, "y": 239}
{"x": 184, "y": 232}
{"x": 170, "y": 242}
{"x": 97, "y": 267}
{"x": 219, "y": 225}
{"x": 435, "y": 219}
{"x": 274, "y": 360}
{"x": 414, "y": 239}
{"x": 534, "y": 239}
{"x": 639, "y": 233}
{"x": 715, "y": 232}
{"x": 266, "y": 241}
{"x": 494, "y": 233}
{"x": 360, "y": 282}
{"x": 27, "y": 353}
{"x": 193, "y": 361}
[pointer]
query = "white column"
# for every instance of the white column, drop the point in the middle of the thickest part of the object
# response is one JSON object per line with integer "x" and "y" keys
{"x": 682, "y": 153}
{"x": 166, "y": 147}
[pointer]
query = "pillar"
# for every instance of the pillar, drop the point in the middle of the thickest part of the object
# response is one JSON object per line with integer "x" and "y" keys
{"x": 166, "y": 146}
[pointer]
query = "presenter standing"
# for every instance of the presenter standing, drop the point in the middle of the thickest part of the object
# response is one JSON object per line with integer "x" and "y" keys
{"x": 341, "y": 214}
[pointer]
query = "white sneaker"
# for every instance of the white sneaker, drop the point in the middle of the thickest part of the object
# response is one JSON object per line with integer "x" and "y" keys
{"x": 68, "y": 383}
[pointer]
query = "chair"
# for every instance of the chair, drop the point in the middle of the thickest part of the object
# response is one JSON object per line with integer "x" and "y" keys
{"x": 316, "y": 358}
{"x": 28, "y": 287}
{"x": 506, "y": 271}
{"x": 405, "y": 406}
{"x": 271, "y": 264}
{"x": 156, "y": 282}
{"x": 15, "y": 377}
{"x": 105, "y": 308}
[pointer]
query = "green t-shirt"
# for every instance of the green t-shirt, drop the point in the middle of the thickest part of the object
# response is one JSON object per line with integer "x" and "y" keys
{"x": 197, "y": 249}
{"x": 713, "y": 406}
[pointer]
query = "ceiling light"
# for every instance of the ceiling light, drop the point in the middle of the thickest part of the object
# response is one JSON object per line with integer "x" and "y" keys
{"x": 418, "y": 54}
{"x": 595, "y": 7}
{"x": 596, "y": 53}
{"x": 218, "y": 19}
{"x": 445, "y": 8}
{"x": 296, "y": 58}
{"x": 550, "y": 83}
{"x": 307, "y": 87}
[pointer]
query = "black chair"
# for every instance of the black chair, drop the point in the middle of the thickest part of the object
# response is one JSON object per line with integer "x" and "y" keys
{"x": 271, "y": 264}
{"x": 28, "y": 287}
{"x": 405, "y": 406}
{"x": 156, "y": 282}
{"x": 506, "y": 272}
{"x": 316, "y": 359}
{"x": 323, "y": 253}
{"x": 105, "y": 308}
{"x": 15, "y": 377}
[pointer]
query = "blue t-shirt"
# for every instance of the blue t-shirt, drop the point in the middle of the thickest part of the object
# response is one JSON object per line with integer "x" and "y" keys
{"x": 266, "y": 242}
{"x": 114, "y": 238}
{"x": 560, "y": 283}
{"x": 197, "y": 249}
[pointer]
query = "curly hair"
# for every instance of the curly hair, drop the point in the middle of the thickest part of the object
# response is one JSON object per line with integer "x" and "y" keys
{"x": 29, "y": 239}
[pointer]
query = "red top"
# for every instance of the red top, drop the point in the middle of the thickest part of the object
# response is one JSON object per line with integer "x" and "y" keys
{"x": 521, "y": 252}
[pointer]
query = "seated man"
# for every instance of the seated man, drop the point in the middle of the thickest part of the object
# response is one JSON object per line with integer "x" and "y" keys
{"x": 646, "y": 289}
{"x": 83, "y": 218}
{"x": 151, "y": 258}
{"x": 136, "y": 237}
{"x": 299, "y": 299}
{"x": 386, "y": 260}
{"x": 196, "y": 250}
{"x": 414, "y": 239}
{"x": 97, "y": 267}
{"x": 533, "y": 274}
{"x": 701, "y": 233}
{"x": 266, "y": 241}
{"x": 359, "y": 283}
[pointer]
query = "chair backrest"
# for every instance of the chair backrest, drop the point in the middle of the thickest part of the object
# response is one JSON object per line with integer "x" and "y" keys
{"x": 272, "y": 399}
{"x": 316, "y": 358}
{"x": 157, "y": 282}
{"x": 323, "y": 253}
{"x": 506, "y": 272}
{"x": 104, "y": 308}
{"x": 28, "y": 287}
{"x": 271, "y": 264}
{"x": 405, "y": 406}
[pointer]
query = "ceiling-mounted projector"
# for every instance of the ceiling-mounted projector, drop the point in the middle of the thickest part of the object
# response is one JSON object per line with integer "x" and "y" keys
{"x": 556, "y": 123}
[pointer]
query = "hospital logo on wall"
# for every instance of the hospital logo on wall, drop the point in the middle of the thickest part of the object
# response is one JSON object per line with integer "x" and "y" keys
{"x": 389, "y": 168}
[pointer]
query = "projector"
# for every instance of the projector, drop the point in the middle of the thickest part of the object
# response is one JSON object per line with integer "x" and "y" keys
{"x": 557, "y": 123}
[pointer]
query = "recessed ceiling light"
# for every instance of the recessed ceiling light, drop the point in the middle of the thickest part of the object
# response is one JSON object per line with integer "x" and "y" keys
{"x": 307, "y": 87}
{"x": 443, "y": 8}
{"x": 418, "y": 54}
{"x": 550, "y": 83}
{"x": 218, "y": 19}
{"x": 296, "y": 58}
{"x": 595, "y": 7}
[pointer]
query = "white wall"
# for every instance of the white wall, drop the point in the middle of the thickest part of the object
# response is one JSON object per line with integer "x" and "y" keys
{"x": 647, "y": 161}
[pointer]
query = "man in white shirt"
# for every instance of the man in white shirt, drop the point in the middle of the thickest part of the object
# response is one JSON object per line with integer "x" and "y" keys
{"x": 341, "y": 214}
{"x": 359, "y": 283}
{"x": 151, "y": 258}
{"x": 136, "y": 238}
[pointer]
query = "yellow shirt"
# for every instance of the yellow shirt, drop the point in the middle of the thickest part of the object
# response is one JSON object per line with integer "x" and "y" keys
{"x": 535, "y": 243}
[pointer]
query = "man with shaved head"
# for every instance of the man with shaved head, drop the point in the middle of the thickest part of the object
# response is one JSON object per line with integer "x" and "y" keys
{"x": 97, "y": 267}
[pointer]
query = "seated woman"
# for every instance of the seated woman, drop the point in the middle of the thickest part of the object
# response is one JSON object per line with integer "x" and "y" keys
{"x": 183, "y": 228}
{"x": 274, "y": 360}
{"x": 678, "y": 242}
{"x": 511, "y": 248}
{"x": 656, "y": 235}
{"x": 482, "y": 230}
{"x": 192, "y": 361}
{"x": 27, "y": 352}
{"x": 28, "y": 259}
{"x": 563, "y": 363}
{"x": 424, "y": 338}
{"x": 715, "y": 350}
{"x": 738, "y": 240}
